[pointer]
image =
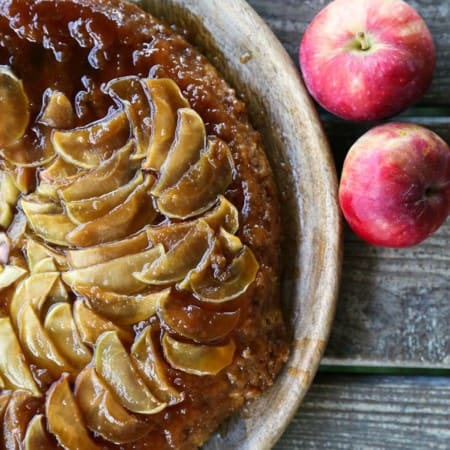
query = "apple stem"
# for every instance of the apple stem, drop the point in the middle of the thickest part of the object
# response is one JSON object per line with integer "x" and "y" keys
{"x": 363, "y": 41}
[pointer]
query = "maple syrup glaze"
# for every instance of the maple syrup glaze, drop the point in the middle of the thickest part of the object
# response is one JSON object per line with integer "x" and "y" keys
{"x": 78, "y": 46}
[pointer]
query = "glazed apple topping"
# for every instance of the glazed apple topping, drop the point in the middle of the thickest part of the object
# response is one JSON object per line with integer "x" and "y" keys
{"x": 121, "y": 263}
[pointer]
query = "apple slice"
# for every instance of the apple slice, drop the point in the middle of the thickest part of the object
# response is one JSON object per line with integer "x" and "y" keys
{"x": 103, "y": 413}
{"x": 189, "y": 141}
{"x": 88, "y": 209}
{"x": 166, "y": 99}
{"x": 198, "y": 324}
{"x": 37, "y": 251}
{"x": 152, "y": 367}
{"x": 90, "y": 256}
{"x": 123, "y": 309}
{"x": 32, "y": 290}
{"x": 88, "y": 146}
{"x": 224, "y": 215}
{"x": 9, "y": 192}
{"x": 119, "y": 222}
{"x": 14, "y": 114}
{"x": 58, "y": 111}
{"x": 10, "y": 274}
{"x": 37, "y": 344}
{"x": 37, "y": 204}
{"x": 61, "y": 328}
{"x": 13, "y": 366}
{"x": 37, "y": 437}
{"x": 34, "y": 149}
{"x": 91, "y": 325}
{"x": 109, "y": 175}
{"x": 4, "y": 399}
{"x": 6, "y": 214}
{"x": 60, "y": 173}
{"x": 199, "y": 187}
{"x": 114, "y": 275}
{"x": 212, "y": 285}
{"x": 129, "y": 93}
{"x": 114, "y": 365}
{"x": 52, "y": 228}
{"x": 180, "y": 259}
{"x": 197, "y": 359}
{"x": 22, "y": 406}
{"x": 64, "y": 418}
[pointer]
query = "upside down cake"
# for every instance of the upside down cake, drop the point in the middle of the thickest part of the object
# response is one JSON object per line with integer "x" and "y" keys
{"x": 139, "y": 253}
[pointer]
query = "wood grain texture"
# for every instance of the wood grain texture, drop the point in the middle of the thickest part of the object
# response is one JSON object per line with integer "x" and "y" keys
{"x": 289, "y": 19}
{"x": 393, "y": 307}
{"x": 372, "y": 413}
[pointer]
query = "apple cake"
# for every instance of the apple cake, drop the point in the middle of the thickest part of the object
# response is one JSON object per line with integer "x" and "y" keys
{"x": 140, "y": 235}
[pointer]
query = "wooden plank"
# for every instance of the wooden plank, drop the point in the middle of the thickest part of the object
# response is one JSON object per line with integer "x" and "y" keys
{"x": 394, "y": 307}
{"x": 289, "y": 19}
{"x": 372, "y": 412}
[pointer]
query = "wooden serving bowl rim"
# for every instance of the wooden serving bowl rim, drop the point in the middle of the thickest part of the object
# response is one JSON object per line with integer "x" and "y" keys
{"x": 244, "y": 49}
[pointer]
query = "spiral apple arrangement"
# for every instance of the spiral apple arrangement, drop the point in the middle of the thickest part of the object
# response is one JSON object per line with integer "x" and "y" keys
{"x": 369, "y": 60}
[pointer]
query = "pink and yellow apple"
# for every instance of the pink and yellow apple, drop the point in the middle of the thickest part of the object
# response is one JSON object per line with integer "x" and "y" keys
{"x": 395, "y": 185}
{"x": 367, "y": 59}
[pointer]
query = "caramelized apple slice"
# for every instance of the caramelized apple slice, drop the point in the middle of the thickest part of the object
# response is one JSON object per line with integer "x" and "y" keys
{"x": 151, "y": 365}
{"x": 114, "y": 275}
{"x": 61, "y": 328}
{"x": 166, "y": 99}
{"x": 60, "y": 173}
{"x": 119, "y": 222}
{"x": 10, "y": 274}
{"x": 91, "y": 325}
{"x": 6, "y": 214}
{"x": 58, "y": 111}
{"x": 86, "y": 210}
{"x": 36, "y": 204}
{"x": 123, "y": 309}
{"x": 190, "y": 139}
{"x": 64, "y": 417}
{"x": 52, "y": 228}
{"x": 197, "y": 359}
{"x": 22, "y": 406}
{"x": 224, "y": 215}
{"x": 37, "y": 437}
{"x": 103, "y": 413}
{"x": 113, "y": 364}
{"x": 14, "y": 113}
{"x": 198, "y": 188}
{"x": 13, "y": 366}
{"x": 88, "y": 146}
{"x": 37, "y": 344}
{"x": 90, "y": 256}
{"x": 9, "y": 192}
{"x": 209, "y": 286}
{"x": 129, "y": 93}
{"x": 4, "y": 399}
{"x": 32, "y": 290}
{"x": 179, "y": 260}
{"x": 108, "y": 176}
{"x": 195, "y": 323}
{"x": 36, "y": 252}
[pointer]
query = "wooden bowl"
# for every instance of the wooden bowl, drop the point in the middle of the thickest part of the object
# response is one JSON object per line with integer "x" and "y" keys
{"x": 243, "y": 48}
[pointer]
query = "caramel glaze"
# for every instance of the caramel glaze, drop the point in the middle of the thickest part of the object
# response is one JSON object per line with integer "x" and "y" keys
{"x": 76, "y": 46}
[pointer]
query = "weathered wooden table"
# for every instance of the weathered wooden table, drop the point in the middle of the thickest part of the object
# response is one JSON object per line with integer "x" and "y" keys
{"x": 384, "y": 382}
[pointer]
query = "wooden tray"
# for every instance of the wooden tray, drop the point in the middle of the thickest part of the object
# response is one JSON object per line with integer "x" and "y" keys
{"x": 246, "y": 52}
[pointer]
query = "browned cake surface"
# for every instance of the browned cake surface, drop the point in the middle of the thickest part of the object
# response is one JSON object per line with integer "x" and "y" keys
{"x": 77, "y": 46}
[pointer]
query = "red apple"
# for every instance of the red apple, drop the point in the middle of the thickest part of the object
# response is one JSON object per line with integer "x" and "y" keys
{"x": 367, "y": 59}
{"x": 395, "y": 185}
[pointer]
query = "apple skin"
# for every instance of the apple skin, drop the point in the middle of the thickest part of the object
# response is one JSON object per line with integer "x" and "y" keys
{"x": 372, "y": 84}
{"x": 395, "y": 185}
